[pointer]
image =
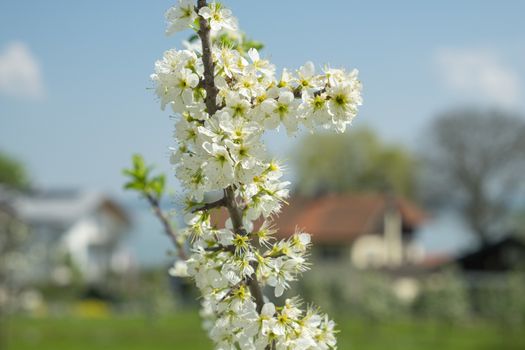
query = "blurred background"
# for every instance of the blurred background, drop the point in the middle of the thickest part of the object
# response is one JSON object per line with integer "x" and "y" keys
{"x": 417, "y": 212}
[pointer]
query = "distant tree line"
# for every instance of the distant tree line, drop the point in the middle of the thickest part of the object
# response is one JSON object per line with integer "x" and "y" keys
{"x": 354, "y": 161}
{"x": 12, "y": 173}
{"x": 470, "y": 159}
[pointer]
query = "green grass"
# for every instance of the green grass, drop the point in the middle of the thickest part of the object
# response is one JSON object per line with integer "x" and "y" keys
{"x": 427, "y": 336}
{"x": 183, "y": 331}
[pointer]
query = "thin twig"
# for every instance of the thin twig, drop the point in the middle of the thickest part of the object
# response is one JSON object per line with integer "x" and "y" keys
{"x": 221, "y": 248}
{"x": 207, "y": 206}
{"x": 168, "y": 228}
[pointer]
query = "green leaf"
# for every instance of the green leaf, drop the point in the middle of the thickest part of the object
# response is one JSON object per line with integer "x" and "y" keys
{"x": 138, "y": 164}
{"x": 141, "y": 181}
{"x": 157, "y": 185}
{"x": 193, "y": 37}
{"x": 128, "y": 172}
{"x": 134, "y": 186}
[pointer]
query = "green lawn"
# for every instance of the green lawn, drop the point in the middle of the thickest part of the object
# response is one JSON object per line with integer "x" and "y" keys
{"x": 183, "y": 332}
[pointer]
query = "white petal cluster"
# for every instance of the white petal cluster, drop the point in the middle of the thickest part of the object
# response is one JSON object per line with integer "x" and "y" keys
{"x": 181, "y": 16}
{"x": 223, "y": 262}
{"x": 224, "y": 150}
{"x": 218, "y": 17}
{"x": 291, "y": 328}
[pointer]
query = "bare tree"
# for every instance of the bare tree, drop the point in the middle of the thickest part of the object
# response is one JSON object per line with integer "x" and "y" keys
{"x": 476, "y": 158}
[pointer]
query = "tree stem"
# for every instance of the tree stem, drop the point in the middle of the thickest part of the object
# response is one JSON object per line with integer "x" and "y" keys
{"x": 211, "y": 105}
{"x": 207, "y": 61}
{"x": 233, "y": 210}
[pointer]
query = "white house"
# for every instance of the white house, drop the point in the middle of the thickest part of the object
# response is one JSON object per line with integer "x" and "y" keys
{"x": 73, "y": 233}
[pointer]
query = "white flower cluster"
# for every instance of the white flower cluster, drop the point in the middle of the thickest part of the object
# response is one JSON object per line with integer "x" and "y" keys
{"x": 223, "y": 150}
{"x": 222, "y": 276}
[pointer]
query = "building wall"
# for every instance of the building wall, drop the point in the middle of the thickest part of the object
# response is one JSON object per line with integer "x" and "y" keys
{"x": 369, "y": 251}
{"x": 92, "y": 243}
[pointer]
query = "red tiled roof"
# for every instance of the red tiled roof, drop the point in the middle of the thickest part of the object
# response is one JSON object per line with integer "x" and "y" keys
{"x": 338, "y": 218}
{"x": 436, "y": 260}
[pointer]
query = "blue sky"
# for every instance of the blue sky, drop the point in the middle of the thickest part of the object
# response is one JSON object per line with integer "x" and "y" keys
{"x": 74, "y": 76}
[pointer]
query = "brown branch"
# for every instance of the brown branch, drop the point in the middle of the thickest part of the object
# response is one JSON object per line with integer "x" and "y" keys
{"x": 207, "y": 206}
{"x": 168, "y": 228}
{"x": 319, "y": 92}
{"x": 235, "y": 214}
{"x": 234, "y": 287}
{"x": 297, "y": 91}
{"x": 223, "y": 248}
{"x": 233, "y": 210}
{"x": 211, "y": 105}
{"x": 255, "y": 289}
{"x": 207, "y": 61}
{"x": 278, "y": 255}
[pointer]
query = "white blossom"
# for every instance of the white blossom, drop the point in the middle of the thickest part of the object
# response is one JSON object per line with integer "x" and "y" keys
{"x": 283, "y": 109}
{"x": 181, "y": 16}
{"x": 180, "y": 269}
{"x": 218, "y": 17}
